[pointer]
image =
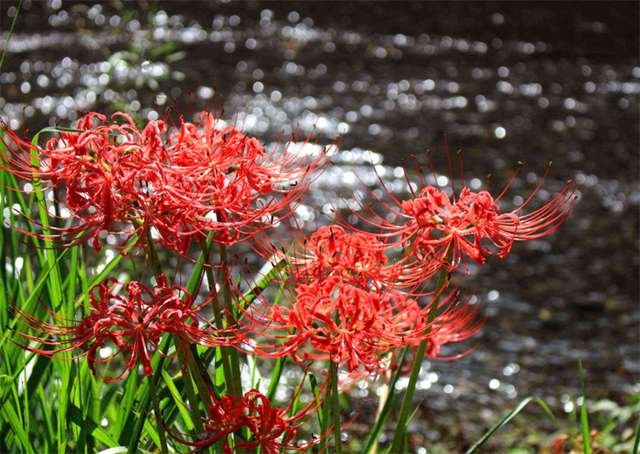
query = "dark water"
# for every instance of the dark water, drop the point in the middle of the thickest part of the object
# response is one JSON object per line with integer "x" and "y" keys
{"x": 506, "y": 82}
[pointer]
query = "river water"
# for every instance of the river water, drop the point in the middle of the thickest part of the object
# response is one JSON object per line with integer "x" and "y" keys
{"x": 505, "y": 82}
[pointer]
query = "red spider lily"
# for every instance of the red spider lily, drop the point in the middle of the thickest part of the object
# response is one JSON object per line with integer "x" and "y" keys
{"x": 232, "y": 187}
{"x": 84, "y": 162}
{"x": 357, "y": 258}
{"x": 354, "y": 326}
{"x": 134, "y": 324}
{"x": 200, "y": 180}
{"x": 457, "y": 322}
{"x": 271, "y": 429}
{"x": 435, "y": 225}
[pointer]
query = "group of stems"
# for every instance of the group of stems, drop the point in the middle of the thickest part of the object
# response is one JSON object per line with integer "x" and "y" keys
{"x": 188, "y": 355}
{"x": 399, "y": 435}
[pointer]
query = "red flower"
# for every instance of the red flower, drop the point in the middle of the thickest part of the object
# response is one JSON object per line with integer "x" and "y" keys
{"x": 346, "y": 305}
{"x": 83, "y": 162}
{"x": 357, "y": 327}
{"x": 433, "y": 225}
{"x": 267, "y": 424}
{"x": 357, "y": 258}
{"x": 199, "y": 180}
{"x": 133, "y": 325}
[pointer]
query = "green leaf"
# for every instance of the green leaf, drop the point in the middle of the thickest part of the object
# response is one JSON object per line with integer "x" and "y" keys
{"x": 276, "y": 375}
{"x": 10, "y": 414}
{"x": 153, "y": 433}
{"x": 636, "y": 443}
{"x": 391, "y": 398}
{"x": 140, "y": 420}
{"x": 507, "y": 418}
{"x": 6, "y": 46}
{"x": 124, "y": 411}
{"x": 405, "y": 441}
{"x": 322, "y": 413}
{"x": 54, "y": 282}
{"x": 38, "y": 373}
{"x": 175, "y": 394}
{"x": 584, "y": 418}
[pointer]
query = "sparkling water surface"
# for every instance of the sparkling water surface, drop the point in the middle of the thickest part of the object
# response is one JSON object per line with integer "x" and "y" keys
{"x": 504, "y": 82}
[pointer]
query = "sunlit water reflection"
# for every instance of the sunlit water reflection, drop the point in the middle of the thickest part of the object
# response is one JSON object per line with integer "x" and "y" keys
{"x": 505, "y": 83}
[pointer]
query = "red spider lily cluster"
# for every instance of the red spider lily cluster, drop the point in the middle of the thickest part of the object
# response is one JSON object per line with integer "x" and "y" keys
{"x": 271, "y": 429}
{"x": 346, "y": 307}
{"x": 132, "y": 324}
{"x": 442, "y": 230}
{"x": 183, "y": 182}
{"x": 345, "y": 300}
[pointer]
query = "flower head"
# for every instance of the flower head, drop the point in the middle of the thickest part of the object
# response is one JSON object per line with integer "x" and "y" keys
{"x": 272, "y": 429}
{"x": 357, "y": 258}
{"x": 180, "y": 183}
{"x": 442, "y": 229}
{"x": 131, "y": 325}
{"x": 359, "y": 327}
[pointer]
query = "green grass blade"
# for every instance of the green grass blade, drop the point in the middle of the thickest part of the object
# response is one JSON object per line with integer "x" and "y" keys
{"x": 38, "y": 373}
{"x": 391, "y": 398}
{"x": 198, "y": 272}
{"x": 30, "y": 304}
{"x": 276, "y": 375}
{"x": 294, "y": 406}
{"x": 126, "y": 404}
{"x": 179, "y": 403}
{"x": 584, "y": 418}
{"x": 315, "y": 390}
{"x": 117, "y": 450}
{"x": 11, "y": 182}
{"x": 507, "y": 418}
{"x": 48, "y": 425}
{"x": 150, "y": 428}
{"x": 6, "y": 46}
{"x": 405, "y": 441}
{"x": 71, "y": 286}
{"x": 14, "y": 420}
{"x": 54, "y": 282}
{"x": 55, "y": 288}
{"x": 90, "y": 426}
{"x": 139, "y": 422}
{"x": 636, "y": 443}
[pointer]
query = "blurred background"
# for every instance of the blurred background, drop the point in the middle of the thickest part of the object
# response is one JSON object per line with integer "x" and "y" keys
{"x": 505, "y": 82}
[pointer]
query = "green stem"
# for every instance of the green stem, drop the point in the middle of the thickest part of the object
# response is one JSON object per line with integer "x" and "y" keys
{"x": 217, "y": 314}
{"x": 417, "y": 364}
{"x": 335, "y": 406}
{"x": 156, "y": 267}
{"x": 372, "y": 442}
{"x": 194, "y": 373}
{"x": 203, "y": 388}
{"x": 384, "y": 401}
{"x": 156, "y": 409}
{"x": 196, "y": 416}
{"x": 152, "y": 254}
{"x": 324, "y": 420}
{"x": 636, "y": 443}
{"x": 226, "y": 291}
